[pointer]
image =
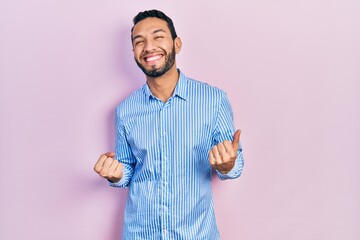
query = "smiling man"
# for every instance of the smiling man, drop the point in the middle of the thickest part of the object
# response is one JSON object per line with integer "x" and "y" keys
{"x": 170, "y": 133}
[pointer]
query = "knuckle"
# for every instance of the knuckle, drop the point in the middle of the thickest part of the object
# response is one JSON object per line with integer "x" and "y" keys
{"x": 103, "y": 173}
{"x": 96, "y": 169}
{"x": 108, "y": 161}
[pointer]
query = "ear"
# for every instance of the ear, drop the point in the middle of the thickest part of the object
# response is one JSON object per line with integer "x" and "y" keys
{"x": 178, "y": 44}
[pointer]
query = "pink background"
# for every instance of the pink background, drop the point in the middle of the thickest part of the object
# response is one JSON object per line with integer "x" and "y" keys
{"x": 291, "y": 70}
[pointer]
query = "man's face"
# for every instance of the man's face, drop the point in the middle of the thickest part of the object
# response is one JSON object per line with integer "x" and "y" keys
{"x": 153, "y": 46}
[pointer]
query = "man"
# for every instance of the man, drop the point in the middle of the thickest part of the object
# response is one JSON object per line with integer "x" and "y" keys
{"x": 170, "y": 133}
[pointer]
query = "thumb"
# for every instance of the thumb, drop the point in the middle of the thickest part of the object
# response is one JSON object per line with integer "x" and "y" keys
{"x": 110, "y": 154}
{"x": 235, "y": 141}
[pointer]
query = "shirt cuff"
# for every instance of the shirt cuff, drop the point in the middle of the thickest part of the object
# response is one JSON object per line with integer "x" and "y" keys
{"x": 118, "y": 184}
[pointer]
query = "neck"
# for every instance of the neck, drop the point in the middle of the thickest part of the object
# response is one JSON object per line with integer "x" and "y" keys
{"x": 163, "y": 87}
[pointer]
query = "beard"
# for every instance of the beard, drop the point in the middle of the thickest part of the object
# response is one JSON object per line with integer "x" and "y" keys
{"x": 158, "y": 72}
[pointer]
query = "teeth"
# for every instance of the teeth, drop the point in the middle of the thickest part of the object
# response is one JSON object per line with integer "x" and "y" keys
{"x": 153, "y": 58}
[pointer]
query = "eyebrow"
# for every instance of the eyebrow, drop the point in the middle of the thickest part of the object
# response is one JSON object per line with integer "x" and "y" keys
{"x": 155, "y": 31}
{"x": 159, "y": 30}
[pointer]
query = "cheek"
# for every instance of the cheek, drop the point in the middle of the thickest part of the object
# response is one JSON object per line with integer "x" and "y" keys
{"x": 137, "y": 54}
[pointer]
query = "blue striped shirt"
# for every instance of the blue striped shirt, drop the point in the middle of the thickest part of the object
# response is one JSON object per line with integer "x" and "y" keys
{"x": 164, "y": 150}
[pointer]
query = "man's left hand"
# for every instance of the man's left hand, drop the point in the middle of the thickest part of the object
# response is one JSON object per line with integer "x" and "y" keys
{"x": 222, "y": 157}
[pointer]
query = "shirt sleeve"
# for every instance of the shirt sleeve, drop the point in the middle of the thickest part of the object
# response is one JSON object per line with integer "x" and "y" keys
{"x": 224, "y": 130}
{"x": 123, "y": 153}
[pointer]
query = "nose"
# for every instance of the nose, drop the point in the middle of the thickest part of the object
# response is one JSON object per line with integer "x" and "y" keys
{"x": 149, "y": 46}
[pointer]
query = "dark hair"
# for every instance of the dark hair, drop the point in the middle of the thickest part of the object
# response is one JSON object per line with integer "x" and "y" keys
{"x": 158, "y": 14}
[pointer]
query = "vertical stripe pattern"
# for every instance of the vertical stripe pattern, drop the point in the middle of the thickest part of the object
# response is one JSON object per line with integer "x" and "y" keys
{"x": 164, "y": 149}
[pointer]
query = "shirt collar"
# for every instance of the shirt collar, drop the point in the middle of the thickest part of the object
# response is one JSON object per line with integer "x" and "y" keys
{"x": 180, "y": 88}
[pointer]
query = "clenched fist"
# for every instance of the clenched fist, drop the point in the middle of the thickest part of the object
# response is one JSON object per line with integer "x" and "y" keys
{"x": 108, "y": 167}
{"x": 222, "y": 157}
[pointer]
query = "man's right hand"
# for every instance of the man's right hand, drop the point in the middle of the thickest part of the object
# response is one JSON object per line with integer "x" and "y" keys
{"x": 109, "y": 168}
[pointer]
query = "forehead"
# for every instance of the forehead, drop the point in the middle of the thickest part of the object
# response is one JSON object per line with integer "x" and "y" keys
{"x": 149, "y": 25}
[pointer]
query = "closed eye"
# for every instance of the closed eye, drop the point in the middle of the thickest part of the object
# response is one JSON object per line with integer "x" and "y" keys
{"x": 138, "y": 42}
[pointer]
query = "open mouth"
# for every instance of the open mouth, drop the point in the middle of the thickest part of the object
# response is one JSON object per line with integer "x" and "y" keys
{"x": 153, "y": 58}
